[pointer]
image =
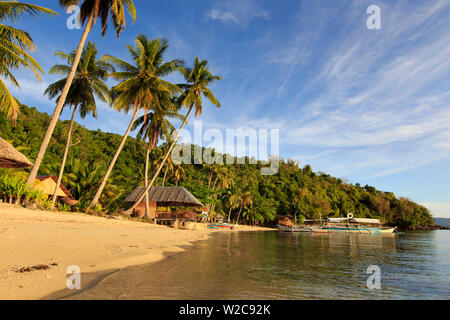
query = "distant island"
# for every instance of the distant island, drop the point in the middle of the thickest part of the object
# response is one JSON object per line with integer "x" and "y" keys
{"x": 239, "y": 192}
{"x": 445, "y": 222}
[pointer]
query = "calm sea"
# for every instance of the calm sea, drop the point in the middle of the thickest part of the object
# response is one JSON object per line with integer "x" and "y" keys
{"x": 274, "y": 265}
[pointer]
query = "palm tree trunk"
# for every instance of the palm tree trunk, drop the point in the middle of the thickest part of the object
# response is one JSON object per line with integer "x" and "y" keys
{"x": 165, "y": 175}
{"x": 229, "y": 215}
{"x": 129, "y": 211}
{"x": 66, "y": 152}
{"x": 113, "y": 161}
{"x": 147, "y": 205}
{"x": 60, "y": 104}
{"x": 239, "y": 214}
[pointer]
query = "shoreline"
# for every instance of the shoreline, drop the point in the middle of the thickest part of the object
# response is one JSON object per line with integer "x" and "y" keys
{"x": 53, "y": 241}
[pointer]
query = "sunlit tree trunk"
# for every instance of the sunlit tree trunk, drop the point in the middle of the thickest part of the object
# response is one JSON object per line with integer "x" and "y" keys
{"x": 60, "y": 104}
{"x": 66, "y": 152}
{"x": 165, "y": 175}
{"x": 147, "y": 205}
{"x": 113, "y": 161}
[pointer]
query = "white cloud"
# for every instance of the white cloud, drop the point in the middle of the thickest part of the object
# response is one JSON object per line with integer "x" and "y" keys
{"x": 238, "y": 12}
{"x": 30, "y": 89}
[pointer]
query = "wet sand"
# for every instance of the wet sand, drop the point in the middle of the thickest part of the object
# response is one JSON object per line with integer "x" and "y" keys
{"x": 97, "y": 245}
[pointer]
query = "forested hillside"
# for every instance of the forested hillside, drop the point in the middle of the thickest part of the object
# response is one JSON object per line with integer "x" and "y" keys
{"x": 238, "y": 190}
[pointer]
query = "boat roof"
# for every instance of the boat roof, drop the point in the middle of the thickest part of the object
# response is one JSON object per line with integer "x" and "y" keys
{"x": 355, "y": 220}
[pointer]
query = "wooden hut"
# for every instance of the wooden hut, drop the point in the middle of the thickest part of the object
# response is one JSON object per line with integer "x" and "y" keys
{"x": 47, "y": 184}
{"x": 219, "y": 219}
{"x": 163, "y": 199}
{"x": 11, "y": 158}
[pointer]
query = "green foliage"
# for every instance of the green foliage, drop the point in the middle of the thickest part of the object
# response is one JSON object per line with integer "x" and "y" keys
{"x": 235, "y": 190}
{"x": 15, "y": 48}
{"x": 13, "y": 187}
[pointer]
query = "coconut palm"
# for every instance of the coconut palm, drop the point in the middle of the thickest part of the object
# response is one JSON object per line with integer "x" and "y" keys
{"x": 169, "y": 164}
{"x": 15, "y": 45}
{"x": 198, "y": 78}
{"x": 86, "y": 86}
{"x": 234, "y": 202}
{"x": 179, "y": 174}
{"x": 91, "y": 10}
{"x": 155, "y": 126}
{"x": 142, "y": 86}
{"x": 246, "y": 202}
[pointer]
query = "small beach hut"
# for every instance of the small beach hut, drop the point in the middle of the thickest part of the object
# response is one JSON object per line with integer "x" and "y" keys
{"x": 163, "y": 199}
{"x": 11, "y": 158}
{"x": 219, "y": 218}
{"x": 47, "y": 184}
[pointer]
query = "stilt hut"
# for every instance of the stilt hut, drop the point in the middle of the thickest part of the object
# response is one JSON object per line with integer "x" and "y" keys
{"x": 47, "y": 184}
{"x": 167, "y": 204}
{"x": 11, "y": 158}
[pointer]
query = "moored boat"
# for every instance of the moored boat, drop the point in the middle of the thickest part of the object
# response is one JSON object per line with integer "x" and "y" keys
{"x": 353, "y": 225}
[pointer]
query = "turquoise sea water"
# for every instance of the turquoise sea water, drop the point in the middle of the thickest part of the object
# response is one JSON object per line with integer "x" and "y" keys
{"x": 274, "y": 265}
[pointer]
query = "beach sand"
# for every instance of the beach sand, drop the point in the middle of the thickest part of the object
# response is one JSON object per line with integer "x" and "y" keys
{"x": 95, "y": 244}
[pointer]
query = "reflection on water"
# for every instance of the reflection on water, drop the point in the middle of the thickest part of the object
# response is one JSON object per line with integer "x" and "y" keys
{"x": 291, "y": 266}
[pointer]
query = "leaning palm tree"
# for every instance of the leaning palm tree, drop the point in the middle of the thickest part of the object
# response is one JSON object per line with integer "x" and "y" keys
{"x": 142, "y": 86}
{"x": 91, "y": 10}
{"x": 15, "y": 45}
{"x": 198, "y": 78}
{"x": 87, "y": 84}
{"x": 246, "y": 202}
{"x": 155, "y": 126}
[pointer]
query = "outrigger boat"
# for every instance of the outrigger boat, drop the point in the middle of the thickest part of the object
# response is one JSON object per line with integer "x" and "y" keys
{"x": 352, "y": 225}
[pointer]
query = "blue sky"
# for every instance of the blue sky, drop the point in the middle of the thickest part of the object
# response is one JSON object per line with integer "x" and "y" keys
{"x": 371, "y": 106}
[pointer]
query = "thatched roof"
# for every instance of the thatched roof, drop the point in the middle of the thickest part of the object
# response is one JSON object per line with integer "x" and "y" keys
{"x": 166, "y": 195}
{"x": 47, "y": 185}
{"x": 11, "y": 158}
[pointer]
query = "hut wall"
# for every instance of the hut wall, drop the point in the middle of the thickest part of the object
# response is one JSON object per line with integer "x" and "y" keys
{"x": 140, "y": 210}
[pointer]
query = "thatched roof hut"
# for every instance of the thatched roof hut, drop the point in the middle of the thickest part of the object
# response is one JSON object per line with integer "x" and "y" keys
{"x": 166, "y": 196}
{"x": 285, "y": 221}
{"x": 47, "y": 184}
{"x": 11, "y": 158}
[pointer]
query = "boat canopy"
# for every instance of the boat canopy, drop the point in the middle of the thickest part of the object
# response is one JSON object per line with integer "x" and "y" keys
{"x": 354, "y": 220}
{"x": 338, "y": 220}
{"x": 367, "y": 221}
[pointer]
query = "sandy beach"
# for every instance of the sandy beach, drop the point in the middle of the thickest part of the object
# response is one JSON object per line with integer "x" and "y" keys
{"x": 59, "y": 240}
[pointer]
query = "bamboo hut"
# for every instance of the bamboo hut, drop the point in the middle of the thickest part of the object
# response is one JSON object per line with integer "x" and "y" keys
{"x": 11, "y": 158}
{"x": 163, "y": 199}
{"x": 47, "y": 184}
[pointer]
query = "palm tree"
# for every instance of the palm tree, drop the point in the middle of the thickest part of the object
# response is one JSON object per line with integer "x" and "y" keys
{"x": 15, "y": 45}
{"x": 142, "y": 85}
{"x": 198, "y": 78}
{"x": 179, "y": 174}
{"x": 169, "y": 164}
{"x": 246, "y": 202}
{"x": 155, "y": 126}
{"x": 233, "y": 201}
{"x": 87, "y": 84}
{"x": 90, "y": 11}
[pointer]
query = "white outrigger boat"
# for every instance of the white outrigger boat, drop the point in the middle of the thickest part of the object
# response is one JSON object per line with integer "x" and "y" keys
{"x": 353, "y": 225}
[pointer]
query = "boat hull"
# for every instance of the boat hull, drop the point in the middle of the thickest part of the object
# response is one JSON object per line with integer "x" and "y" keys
{"x": 353, "y": 230}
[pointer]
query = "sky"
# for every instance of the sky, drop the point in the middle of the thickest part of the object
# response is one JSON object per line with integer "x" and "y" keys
{"x": 371, "y": 106}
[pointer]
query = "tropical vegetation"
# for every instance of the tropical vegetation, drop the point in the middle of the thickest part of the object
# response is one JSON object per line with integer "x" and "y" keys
{"x": 247, "y": 196}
